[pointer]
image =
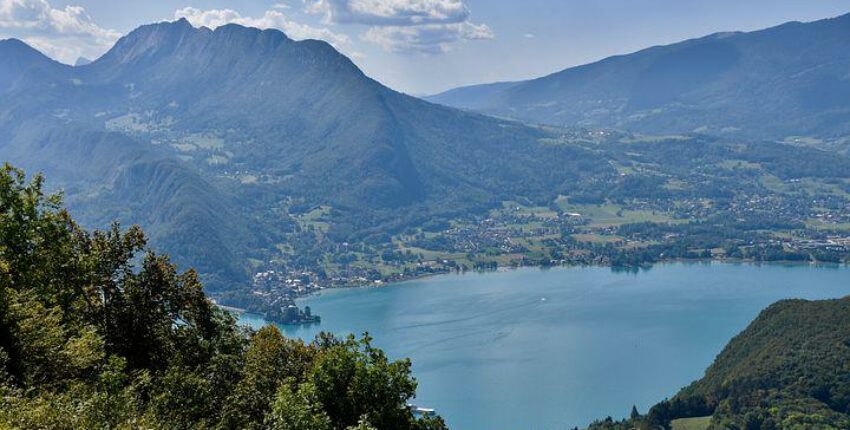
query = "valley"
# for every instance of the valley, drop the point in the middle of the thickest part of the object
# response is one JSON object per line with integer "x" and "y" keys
{"x": 275, "y": 197}
{"x": 683, "y": 198}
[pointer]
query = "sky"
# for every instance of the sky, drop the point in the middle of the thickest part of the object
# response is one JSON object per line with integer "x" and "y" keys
{"x": 420, "y": 46}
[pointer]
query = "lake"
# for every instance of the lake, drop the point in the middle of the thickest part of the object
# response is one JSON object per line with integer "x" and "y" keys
{"x": 552, "y": 349}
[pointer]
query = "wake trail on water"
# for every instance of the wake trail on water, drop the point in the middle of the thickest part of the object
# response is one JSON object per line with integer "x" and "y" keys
{"x": 473, "y": 317}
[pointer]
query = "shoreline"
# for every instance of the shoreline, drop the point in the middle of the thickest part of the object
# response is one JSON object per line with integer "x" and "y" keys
{"x": 637, "y": 269}
{"x": 569, "y": 266}
{"x": 618, "y": 268}
{"x": 675, "y": 274}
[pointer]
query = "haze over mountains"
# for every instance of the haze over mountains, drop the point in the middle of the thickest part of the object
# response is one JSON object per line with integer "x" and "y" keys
{"x": 788, "y": 81}
{"x": 209, "y": 139}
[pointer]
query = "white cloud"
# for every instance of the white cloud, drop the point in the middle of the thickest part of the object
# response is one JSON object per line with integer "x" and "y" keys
{"x": 406, "y": 26}
{"x": 273, "y": 18}
{"x": 426, "y": 39}
{"x": 391, "y": 12}
{"x": 529, "y": 35}
{"x": 64, "y": 34}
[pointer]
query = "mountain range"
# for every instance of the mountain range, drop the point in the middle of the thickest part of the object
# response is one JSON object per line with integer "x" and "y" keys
{"x": 790, "y": 82}
{"x": 218, "y": 142}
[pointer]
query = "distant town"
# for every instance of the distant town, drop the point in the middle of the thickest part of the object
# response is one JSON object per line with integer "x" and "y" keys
{"x": 516, "y": 235}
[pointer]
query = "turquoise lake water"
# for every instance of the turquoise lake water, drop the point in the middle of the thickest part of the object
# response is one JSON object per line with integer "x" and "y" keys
{"x": 552, "y": 349}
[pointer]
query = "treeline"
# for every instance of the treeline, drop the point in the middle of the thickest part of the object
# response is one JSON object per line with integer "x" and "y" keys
{"x": 98, "y": 332}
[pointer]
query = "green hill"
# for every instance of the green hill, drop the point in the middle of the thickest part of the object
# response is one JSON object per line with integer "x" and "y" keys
{"x": 789, "y": 370}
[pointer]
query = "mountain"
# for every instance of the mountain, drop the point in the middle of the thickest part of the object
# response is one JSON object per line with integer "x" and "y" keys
{"x": 107, "y": 176}
{"x": 777, "y": 83}
{"x": 212, "y": 139}
{"x": 242, "y": 151}
{"x": 81, "y": 61}
{"x": 21, "y": 62}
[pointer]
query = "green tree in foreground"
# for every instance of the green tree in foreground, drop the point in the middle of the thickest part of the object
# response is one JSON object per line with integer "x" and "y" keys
{"x": 98, "y": 332}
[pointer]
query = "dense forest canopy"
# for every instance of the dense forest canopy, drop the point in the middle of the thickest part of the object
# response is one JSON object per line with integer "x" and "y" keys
{"x": 99, "y": 332}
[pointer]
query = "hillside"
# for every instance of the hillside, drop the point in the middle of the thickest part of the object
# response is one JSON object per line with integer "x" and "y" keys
{"x": 298, "y": 115}
{"x": 108, "y": 176}
{"x": 788, "y": 370}
{"x": 787, "y": 82}
{"x": 790, "y": 366}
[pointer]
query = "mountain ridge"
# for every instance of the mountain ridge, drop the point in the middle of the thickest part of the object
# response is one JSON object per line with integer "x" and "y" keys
{"x": 727, "y": 83}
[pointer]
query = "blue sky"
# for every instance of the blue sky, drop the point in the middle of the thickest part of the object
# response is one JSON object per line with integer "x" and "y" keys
{"x": 421, "y": 46}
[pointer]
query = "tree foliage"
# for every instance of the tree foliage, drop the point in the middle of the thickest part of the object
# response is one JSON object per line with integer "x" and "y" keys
{"x": 97, "y": 332}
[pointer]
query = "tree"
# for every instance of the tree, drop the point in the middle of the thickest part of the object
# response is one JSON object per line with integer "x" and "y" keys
{"x": 297, "y": 409}
{"x": 355, "y": 380}
{"x": 98, "y": 331}
{"x": 363, "y": 424}
{"x": 271, "y": 361}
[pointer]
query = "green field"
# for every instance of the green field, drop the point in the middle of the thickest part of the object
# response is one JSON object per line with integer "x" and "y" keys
{"x": 608, "y": 215}
{"x": 691, "y": 423}
{"x": 316, "y": 219}
{"x": 820, "y": 225}
{"x": 596, "y": 238}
